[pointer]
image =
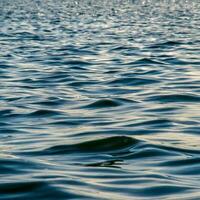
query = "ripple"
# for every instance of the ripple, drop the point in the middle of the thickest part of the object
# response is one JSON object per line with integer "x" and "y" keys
{"x": 38, "y": 189}
{"x": 167, "y": 44}
{"x": 103, "y": 103}
{"x": 112, "y": 144}
{"x": 183, "y": 162}
{"x": 41, "y": 113}
{"x": 99, "y": 99}
{"x": 17, "y": 166}
{"x": 51, "y": 102}
{"x": 133, "y": 81}
{"x": 176, "y": 98}
{"x": 145, "y": 61}
{"x": 156, "y": 122}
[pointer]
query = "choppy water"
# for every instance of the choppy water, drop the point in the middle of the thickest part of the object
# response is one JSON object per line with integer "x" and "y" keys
{"x": 99, "y": 99}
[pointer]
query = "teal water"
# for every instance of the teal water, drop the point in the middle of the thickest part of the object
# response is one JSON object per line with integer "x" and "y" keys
{"x": 100, "y": 99}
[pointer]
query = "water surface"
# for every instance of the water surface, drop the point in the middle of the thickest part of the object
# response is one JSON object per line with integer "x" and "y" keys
{"x": 99, "y": 99}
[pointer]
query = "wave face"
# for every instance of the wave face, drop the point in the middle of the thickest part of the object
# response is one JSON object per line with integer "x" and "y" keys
{"x": 100, "y": 99}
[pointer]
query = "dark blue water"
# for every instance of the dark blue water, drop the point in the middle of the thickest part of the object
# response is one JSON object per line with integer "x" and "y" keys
{"x": 100, "y": 99}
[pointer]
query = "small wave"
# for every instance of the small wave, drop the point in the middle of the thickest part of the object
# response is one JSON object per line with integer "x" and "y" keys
{"x": 36, "y": 189}
{"x": 103, "y": 103}
{"x": 17, "y": 166}
{"x": 144, "y": 61}
{"x": 41, "y": 113}
{"x": 71, "y": 122}
{"x": 156, "y": 123}
{"x": 175, "y": 98}
{"x": 129, "y": 81}
{"x": 182, "y": 162}
{"x": 111, "y": 144}
{"x": 167, "y": 44}
{"x": 20, "y": 187}
{"x": 50, "y": 102}
{"x": 82, "y": 83}
{"x": 5, "y": 112}
{"x": 76, "y": 62}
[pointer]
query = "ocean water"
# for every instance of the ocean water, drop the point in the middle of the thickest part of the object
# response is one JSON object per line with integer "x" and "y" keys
{"x": 100, "y": 99}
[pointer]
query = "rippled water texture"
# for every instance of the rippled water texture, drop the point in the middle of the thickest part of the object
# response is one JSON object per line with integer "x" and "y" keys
{"x": 99, "y": 99}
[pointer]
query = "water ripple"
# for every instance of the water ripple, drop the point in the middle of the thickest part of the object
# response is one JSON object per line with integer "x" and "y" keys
{"x": 99, "y": 99}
